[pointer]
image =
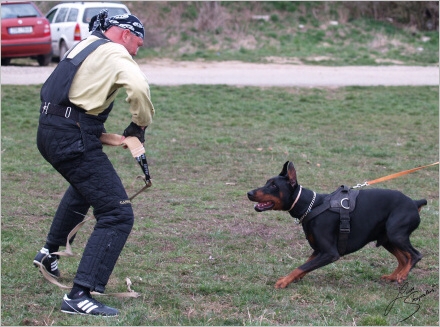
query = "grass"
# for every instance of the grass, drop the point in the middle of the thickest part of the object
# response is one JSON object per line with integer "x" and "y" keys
{"x": 320, "y": 33}
{"x": 198, "y": 253}
{"x": 360, "y": 42}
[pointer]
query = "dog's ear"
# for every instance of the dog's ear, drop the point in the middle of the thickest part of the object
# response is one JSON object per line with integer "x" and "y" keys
{"x": 284, "y": 171}
{"x": 291, "y": 173}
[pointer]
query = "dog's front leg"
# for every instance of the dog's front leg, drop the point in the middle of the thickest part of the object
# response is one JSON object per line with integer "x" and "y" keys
{"x": 294, "y": 276}
{"x": 315, "y": 261}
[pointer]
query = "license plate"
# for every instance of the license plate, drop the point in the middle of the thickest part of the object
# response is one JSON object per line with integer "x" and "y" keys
{"x": 20, "y": 30}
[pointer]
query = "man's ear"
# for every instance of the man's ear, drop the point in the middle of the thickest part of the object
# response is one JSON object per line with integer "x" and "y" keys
{"x": 125, "y": 35}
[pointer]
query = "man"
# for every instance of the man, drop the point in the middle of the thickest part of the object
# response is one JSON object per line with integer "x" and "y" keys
{"x": 76, "y": 101}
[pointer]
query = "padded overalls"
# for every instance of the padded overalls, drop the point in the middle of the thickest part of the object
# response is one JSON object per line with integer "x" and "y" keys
{"x": 68, "y": 139}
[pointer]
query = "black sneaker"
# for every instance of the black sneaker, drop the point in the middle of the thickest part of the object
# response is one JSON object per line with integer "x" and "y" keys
{"x": 48, "y": 262}
{"x": 86, "y": 305}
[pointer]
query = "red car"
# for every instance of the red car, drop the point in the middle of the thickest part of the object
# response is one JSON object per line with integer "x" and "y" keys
{"x": 25, "y": 33}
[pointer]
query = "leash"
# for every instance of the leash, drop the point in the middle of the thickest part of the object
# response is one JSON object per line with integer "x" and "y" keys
{"x": 138, "y": 151}
{"x": 392, "y": 176}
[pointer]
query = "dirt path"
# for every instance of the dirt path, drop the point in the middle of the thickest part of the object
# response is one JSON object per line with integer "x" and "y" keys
{"x": 166, "y": 72}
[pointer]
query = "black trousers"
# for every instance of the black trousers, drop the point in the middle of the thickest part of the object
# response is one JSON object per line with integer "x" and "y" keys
{"x": 75, "y": 151}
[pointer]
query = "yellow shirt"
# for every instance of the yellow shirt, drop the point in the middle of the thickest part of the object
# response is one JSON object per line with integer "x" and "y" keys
{"x": 101, "y": 75}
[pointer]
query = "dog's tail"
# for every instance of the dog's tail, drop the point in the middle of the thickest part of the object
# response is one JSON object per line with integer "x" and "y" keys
{"x": 420, "y": 203}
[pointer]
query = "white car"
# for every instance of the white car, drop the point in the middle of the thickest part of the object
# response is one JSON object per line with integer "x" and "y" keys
{"x": 69, "y": 22}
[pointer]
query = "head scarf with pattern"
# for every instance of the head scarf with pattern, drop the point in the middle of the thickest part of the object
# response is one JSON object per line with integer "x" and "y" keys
{"x": 125, "y": 21}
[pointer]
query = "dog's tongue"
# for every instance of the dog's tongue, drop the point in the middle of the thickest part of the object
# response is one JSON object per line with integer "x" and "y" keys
{"x": 262, "y": 206}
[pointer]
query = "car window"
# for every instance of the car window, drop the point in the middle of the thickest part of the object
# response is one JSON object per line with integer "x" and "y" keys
{"x": 73, "y": 15}
{"x": 62, "y": 12}
{"x": 90, "y": 12}
{"x": 15, "y": 10}
{"x": 51, "y": 15}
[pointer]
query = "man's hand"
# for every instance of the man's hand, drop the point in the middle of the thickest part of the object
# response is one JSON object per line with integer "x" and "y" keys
{"x": 135, "y": 130}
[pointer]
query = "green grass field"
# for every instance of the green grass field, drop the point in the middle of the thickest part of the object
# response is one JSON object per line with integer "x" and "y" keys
{"x": 199, "y": 254}
{"x": 361, "y": 42}
{"x": 309, "y": 32}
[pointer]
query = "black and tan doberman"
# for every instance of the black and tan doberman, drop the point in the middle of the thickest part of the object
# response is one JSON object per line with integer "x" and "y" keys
{"x": 343, "y": 222}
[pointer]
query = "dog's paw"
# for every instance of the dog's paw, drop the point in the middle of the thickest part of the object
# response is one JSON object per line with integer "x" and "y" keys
{"x": 281, "y": 283}
{"x": 389, "y": 278}
{"x": 401, "y": 278}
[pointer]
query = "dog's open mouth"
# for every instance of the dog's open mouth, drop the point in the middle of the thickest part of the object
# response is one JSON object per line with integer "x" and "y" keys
{"x": 263, "y": 206}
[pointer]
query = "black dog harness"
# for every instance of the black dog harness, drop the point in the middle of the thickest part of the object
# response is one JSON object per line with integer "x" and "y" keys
{"x": 342, "y": 201}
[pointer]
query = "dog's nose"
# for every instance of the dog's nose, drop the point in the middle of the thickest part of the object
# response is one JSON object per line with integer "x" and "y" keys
{"x": 250, "y": 194}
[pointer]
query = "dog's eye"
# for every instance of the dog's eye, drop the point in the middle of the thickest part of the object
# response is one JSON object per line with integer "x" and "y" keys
{"x": 273, "y": 185}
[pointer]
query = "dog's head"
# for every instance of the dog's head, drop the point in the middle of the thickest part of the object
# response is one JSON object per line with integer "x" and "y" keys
{"x": 277, "y": 193}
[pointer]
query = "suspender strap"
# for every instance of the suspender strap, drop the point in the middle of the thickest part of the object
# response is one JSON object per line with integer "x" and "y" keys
{"x": 79, "y": 58}
{"x": 62, "y": 79}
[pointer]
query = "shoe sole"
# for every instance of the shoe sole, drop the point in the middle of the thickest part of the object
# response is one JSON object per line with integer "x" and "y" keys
{"x": 38, "y": 264}
{"x": 87, "y": 314}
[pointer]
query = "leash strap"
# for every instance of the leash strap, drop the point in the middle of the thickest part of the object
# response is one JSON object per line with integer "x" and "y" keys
{"x": 147, "y": 185}
{"x": 392, "y": 176}
{"x": 51, "y": 279}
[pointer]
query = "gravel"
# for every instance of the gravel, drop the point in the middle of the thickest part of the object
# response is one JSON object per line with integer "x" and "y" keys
{"x": 166, "y": 72}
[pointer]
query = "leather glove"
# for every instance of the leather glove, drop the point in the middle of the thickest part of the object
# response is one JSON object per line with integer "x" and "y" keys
{"x": 135, "y": 130}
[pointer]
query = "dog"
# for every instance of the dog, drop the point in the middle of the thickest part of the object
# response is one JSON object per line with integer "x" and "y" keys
{"x": 344, "y": 222}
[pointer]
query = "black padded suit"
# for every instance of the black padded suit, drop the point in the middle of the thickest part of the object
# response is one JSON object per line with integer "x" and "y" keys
{"x": 73, "y": 148}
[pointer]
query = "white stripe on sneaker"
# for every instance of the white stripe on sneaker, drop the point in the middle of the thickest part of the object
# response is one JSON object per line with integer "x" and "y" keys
{"x": 91, "y": 308}
{"x": 54, "y": 265}
{"x": 87, "y": 306}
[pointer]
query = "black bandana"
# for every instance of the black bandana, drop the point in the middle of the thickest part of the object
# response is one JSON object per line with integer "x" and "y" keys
{"x": 126, "y": 21}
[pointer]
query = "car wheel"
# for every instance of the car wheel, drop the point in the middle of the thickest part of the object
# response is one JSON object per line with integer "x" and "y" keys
{"x": 6, "y": 61}
{"x": 44, "y": 60}
{"x": 63, "y": 49}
